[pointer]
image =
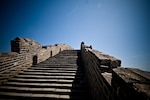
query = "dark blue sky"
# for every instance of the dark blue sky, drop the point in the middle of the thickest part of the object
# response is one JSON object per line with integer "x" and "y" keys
{"x": 120, "y": 28}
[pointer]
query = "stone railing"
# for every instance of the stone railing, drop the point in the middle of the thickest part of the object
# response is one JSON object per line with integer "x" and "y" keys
{"x": 25, "y": 53}
{"x": 108, "y": 81}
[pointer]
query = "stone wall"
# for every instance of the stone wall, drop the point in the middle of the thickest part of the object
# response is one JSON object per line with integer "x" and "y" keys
{"x": 108, "y": 81}
{"x": 96, "y": 63}
{"x": 25, "y": 53}
{"x": 130, "y": 84}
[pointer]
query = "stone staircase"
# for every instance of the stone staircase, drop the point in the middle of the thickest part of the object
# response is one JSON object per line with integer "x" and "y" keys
{"x": 58, "y": 78}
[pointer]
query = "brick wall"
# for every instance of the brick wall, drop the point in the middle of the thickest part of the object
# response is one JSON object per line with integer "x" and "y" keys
{"x": 11, "y": 63}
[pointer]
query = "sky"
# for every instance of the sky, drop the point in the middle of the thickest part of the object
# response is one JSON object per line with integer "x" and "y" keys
{"x": 120, "y": 28}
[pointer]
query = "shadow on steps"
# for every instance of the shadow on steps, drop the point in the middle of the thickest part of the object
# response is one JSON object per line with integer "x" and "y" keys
{"x": 79, "y": 90}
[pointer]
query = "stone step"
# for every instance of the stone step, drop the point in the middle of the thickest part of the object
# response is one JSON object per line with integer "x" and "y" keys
{"x": 46, "y": 85}
{"x": 67, "y": 58}
{"x": 40, "y": 80}
{"x": 68, "y": 53}
{"x": 73, "y": 52}
{"x": 41, "y": 90}
{"x": 57, "y": 68}
{"x": 38, "y": 96}
{"x": 52, "y": 71}
{"x": 53, "y": 68}
{"x": 63, "y": 60}
{"x": 59, "y": 81}
{"x": 48, "y": 77}
{"x": 51, "y": 74}
{"x": 15, "y": 95}
{"x": 55, "y": 65}
{"x": 23, "y": 84}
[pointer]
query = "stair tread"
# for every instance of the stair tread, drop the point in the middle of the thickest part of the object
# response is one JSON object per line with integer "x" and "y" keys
{"x": 45, "y": 77}
{"x": 46, "y": 73}
{"x": 30, "y": 89}
{"x": 52, "y": 71}
{"x": 57, "y": 68}
{"x": 40, "y": 80}
{"x": 58, "y": 96}
{"x": 40, "y": 84}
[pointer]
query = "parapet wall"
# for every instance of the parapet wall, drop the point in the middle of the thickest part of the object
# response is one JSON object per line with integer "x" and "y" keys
{"x": 95, "y": 63}
{"x": 130, "y": 84}
{"x": 25, "y": 53}
{"x": 109, "y": 81}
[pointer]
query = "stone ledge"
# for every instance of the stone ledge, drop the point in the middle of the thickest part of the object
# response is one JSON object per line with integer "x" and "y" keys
{"x": 135, "y": 78}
